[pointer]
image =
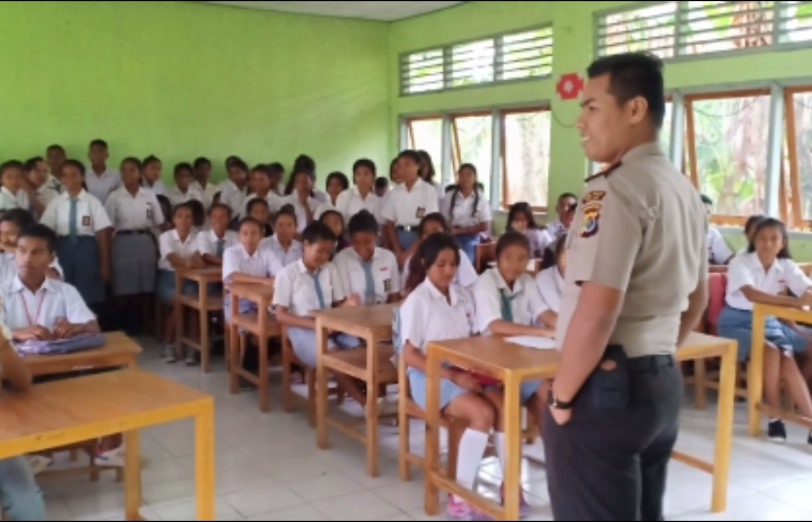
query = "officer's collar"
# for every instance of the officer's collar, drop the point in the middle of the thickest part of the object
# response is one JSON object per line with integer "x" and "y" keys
{"x": 651, "y": 148}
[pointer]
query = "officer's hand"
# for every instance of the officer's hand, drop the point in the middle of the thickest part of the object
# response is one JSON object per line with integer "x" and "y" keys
{"x": 467, "y": 382}
{"x": 561, "y": 417}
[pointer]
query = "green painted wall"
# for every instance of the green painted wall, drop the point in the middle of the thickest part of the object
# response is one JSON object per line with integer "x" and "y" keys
{"x": 573, "y": 50}
{"x": 181, "y": 79}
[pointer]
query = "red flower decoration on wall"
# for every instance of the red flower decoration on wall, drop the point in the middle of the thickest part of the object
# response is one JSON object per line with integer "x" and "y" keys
{"x": 569, "y": 87}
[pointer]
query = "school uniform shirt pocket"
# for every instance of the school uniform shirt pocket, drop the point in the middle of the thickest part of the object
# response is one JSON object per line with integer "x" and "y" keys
{"x": 87, "y": 224}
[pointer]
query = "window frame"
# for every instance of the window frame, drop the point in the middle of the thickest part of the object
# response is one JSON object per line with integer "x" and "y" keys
{"x": 504, "y": 203}
{"x": 798, "y": 221}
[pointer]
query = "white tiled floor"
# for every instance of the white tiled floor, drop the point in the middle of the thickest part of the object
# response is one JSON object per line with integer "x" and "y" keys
{"x": 269, "y": 468}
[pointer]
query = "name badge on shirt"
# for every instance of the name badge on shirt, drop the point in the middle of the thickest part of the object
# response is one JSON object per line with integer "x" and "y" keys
{"x": 421, "y": 211}
{"x": 86, "y": 221}
{"x": 149, "y": 214}
{"x": 387, "y": 286}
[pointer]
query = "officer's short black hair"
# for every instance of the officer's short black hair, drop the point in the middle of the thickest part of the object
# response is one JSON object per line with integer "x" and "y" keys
{"x": 706, "y": 199}
{"x": 632, "y": 75}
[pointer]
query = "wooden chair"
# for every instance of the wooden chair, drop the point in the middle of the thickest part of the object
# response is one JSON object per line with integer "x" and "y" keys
{"x": 484, "y": 254}
{"x": 203, "y": 304}
{"x": 92, "y": 468}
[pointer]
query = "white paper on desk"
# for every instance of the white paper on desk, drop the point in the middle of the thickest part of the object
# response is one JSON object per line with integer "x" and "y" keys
{"x": 531, "y": 341}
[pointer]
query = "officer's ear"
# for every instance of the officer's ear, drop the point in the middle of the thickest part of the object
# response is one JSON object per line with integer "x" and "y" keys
{"x": 638, "y": 109}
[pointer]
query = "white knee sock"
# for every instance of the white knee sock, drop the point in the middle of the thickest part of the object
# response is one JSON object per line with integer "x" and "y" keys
{"x": 472, "y": 447}
{"x": 500, "y": 445}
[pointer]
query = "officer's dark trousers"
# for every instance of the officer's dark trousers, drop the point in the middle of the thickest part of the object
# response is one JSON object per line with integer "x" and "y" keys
{"x": 609, "y": 462}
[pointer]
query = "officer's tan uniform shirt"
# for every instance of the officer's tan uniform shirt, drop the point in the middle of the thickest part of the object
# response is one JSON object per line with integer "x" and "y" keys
{"x": 640, "y": 228}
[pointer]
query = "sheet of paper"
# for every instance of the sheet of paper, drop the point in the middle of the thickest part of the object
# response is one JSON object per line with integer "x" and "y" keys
{"x": 539, "y": 343}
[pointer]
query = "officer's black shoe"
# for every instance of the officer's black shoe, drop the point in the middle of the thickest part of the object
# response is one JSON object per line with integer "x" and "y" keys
{"x": 776, "y": 431}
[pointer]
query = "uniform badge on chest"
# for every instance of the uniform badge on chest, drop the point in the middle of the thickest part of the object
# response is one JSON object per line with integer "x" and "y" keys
{"x": 387, "y": 286}
{"x": 86, "y": 221}
{"x": 421, "y": 211}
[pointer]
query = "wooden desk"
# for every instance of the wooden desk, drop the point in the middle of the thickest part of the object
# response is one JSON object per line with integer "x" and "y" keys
{"x": 72, "y": 410}
{"x": 118, "y": 350}
{"x": 260, "y": 323}
{"x": 373, "y": 324}
{"x": 755, "y": 376}
{"x": 514, "y": 364}
{"x": 201, "y": 302}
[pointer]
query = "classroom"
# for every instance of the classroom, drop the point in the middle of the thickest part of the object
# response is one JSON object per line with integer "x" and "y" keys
{"x": 414, "y": 260}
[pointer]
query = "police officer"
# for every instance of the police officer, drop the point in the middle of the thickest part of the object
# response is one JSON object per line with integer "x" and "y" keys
{"x": 636, "y": 285}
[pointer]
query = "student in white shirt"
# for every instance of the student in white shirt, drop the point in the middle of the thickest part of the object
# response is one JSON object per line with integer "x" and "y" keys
{"x": 508, "y": 303}
{"x": 178, "y": 248}
{"x": 520, "y": 219}
{"x": 436, "y": 224}
{"x": 427, "y": 174}
{"x": 202, "y": 168}
{"x": 765, "y": 275}
{"x": 333, "y": 219}
{"x": 336, "y": 183}
{"x": 213, "y": 243}
{"x": 564, "y": 209}
{"x": 307, "y": 164}
{"x": 406, "y": 205}
{"x": 436, "y": 310}
{"x": 258, "y": 210}
{"x": 260, "y": 185}
{"x": 12, "y": 193}
{"x": 362, "y": 195}
{"x": 718, "y": 251}
{"x": 276, "y": 172}
{"x": 749, "y": 228}
{"x": 550, "y": 282}
{"x": 369, "y": 272}
{"x": 467, "y": 210}
{"x": 312, "y": 283}
{"x": 381, "y": 187}
{"x": 234, "y": 190}
{"x": 183, "y": 192}
{"x": 134, "y": 212}
{"x": 100, "y": 180}
{"x": 83, "y": 231}
{"x": 303, "y": 199}
{"x": 36, "y": 173}
{"x": 56, "y": 157}
{"x": 12, "y": 222}
{"x": 283, "y": 242}
{"x": 152, "y": 167}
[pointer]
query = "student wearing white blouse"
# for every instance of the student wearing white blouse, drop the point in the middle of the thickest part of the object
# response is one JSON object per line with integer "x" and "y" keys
{"x": 550, "y": 283}
{"x": 467, "y": 210}
{"x": 202, "y": 183}
{"x": 362, "y": 195}
{"x": 260, "y": 186}
{"x": 234, "y": 190}
{"x": 152, "y": 175}
{"x": 183, "y": 191}
{"x": 36, "y": 173}
{"x": 305, "y": 204}
{"x": 12, "y": 194}
{"x": 283, "y": 242}
{"x": 100, "y": 180}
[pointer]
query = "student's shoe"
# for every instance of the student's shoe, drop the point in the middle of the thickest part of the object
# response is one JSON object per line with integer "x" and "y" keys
{"x": 192, "y": 358}
{"x": 524, "y": 507}
{"x": 458, "y": 509}
{"x": 113, "y": 457}
{"x": 777, "y": 432}
{"x": 169, "y": 353}
{"x": 39, "y": 463}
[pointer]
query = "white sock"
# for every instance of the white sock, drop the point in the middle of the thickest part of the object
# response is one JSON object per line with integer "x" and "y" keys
{"x": 472, "y": 447}
{"x": 500, "y": 445}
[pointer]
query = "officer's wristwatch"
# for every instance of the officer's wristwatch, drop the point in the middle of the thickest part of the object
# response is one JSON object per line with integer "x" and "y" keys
{"x": 554, "y": 402}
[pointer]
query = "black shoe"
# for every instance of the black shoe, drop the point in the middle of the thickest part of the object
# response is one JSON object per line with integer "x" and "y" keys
{"x": 776, "y": 431}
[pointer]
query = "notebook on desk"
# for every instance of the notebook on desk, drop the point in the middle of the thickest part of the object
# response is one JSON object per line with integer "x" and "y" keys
{"x": 76, "y": 343}
{"x": 530, "y": 341}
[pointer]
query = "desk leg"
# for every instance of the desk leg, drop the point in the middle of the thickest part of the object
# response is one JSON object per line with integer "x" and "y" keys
{"x": 204, "y": 462}
{"x": 372, "y": 407}
{"x": 724, "y": 429}
{"x": 755, "y": 379}
{"x": 431, "y": 462}
{"x": 178, "y": 312}
{"x": 233, "y": 349}
{"x": 132, "y": 475}
{"x": 513, "y": 432}
{"x": 204, "y": 327}
{"x": 321, "y": 387}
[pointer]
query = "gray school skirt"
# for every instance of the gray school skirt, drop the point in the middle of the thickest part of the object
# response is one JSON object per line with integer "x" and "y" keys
{"x": 135, "y": 264}
{"x": 82, "y": 266}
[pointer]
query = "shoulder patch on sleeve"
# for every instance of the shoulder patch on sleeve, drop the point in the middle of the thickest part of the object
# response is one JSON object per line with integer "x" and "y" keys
{"x": 605, "y": 172}
{"x": 591, "y": 212}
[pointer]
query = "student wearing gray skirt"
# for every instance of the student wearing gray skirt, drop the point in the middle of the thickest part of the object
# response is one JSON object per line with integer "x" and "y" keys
{"x": 134, "y": 211}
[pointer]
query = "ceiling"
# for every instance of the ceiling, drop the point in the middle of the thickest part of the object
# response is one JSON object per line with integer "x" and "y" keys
{"x": 383, "y": 11}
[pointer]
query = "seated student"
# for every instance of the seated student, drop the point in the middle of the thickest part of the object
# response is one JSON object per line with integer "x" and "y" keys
{"x": 436, "y": 224}
{"x": 246, "y": 262}
{"x": 507, "y": 303}
{"x": 550, "y": 282}
{"x": 303, "y": 199}
{"x": 100, "y": 181}
{"x": 198, "y": 214}
{"x": 152, "y": 175}
{"x": 178, "y": 248}
{"x": 467, "y": 210}
{"x": 437, "y": 309}
{"x": 212, "y": 243}
{"x": 183, "y": 191}
{"x": 258, "y": 210}
{"x": 20, "y": 497}
{"x": 234, "y": 190}
{"x": 202, "y": 183}
{"x": 362, "y": 196}
{"x": 406, "y": 205}
{"x": 335, "y": 184}
{"x": 307, "y": 164}
{"x": 12, "y": 193}
{"x": 11, "y": 223}
{"x": 369, "y": 272}
{"x": 260, "y": 185}
{"x": 381, "y": 187}
{"x": 334, "y": 220}
{"x": 36, "y": 174}
{"x": 718, "y": 251}
{"x": 283, "y": 243}
{"x": 313, "y": 283}
{"x": 520, "y": 219}
{"x": 565, "y": 210}
{"x": 764, "y": 275}
{"x": 83, "y": 230}
{"x": 749, "y": 228}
